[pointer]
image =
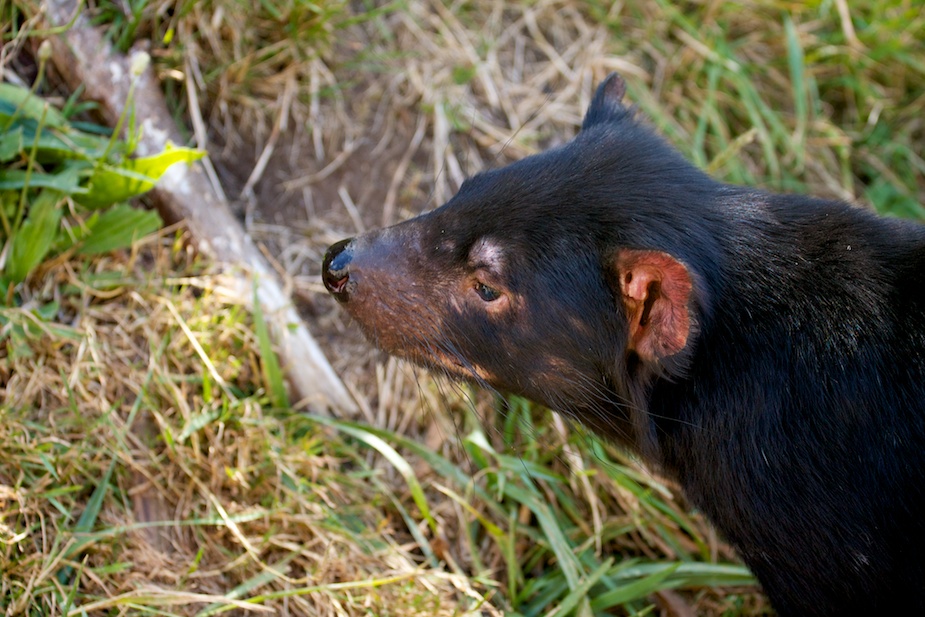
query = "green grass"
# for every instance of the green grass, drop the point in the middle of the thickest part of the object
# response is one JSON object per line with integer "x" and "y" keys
{"x": 820, "y": 112}
{"x": 562, "y": 566}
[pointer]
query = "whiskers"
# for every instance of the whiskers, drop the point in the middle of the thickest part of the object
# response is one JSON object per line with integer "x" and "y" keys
{"x": 463, "y": 397}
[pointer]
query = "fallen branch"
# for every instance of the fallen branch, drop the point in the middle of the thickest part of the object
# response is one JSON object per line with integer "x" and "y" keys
{"x": 85, "y": 58}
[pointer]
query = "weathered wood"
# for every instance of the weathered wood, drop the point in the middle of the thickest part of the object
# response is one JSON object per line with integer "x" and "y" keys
{"x": 85, "y": 58}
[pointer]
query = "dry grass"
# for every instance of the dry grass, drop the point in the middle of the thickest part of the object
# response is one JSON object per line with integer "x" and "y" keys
{"x": 804, "y": 104}
{"x": 329, "y": 122}
{"x": 146, "y": 412}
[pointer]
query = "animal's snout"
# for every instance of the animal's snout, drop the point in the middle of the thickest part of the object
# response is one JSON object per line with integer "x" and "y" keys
{"x": 335, "y": 269}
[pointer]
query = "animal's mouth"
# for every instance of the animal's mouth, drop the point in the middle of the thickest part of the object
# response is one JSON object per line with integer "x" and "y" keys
{"x": 451, "y": 364}
{"x": 421, "y": 349}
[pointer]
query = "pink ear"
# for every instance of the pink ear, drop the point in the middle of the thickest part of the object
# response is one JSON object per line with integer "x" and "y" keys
{"x": 656, "y": 289}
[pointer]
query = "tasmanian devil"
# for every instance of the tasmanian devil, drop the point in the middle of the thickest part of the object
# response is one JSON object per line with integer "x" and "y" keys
{"x": 768, "y": 351}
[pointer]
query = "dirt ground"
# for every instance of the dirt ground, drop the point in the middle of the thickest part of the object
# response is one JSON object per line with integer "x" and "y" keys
{"x": 382, "y": 146}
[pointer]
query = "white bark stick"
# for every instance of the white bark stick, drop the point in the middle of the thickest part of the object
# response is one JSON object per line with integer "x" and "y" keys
{"x": 84, "y": 57}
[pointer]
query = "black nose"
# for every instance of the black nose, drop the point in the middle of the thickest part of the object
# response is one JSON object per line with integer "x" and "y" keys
{"x": 334, "y": 269}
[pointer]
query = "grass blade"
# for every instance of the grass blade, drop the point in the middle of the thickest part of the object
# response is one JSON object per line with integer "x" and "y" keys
{"x": 579, "y": 595}
{"x": 272, "y": 373}
{"x": 400, "y": 464}
{"x": 635, "y": 590}
{"x": 795, "y": 61}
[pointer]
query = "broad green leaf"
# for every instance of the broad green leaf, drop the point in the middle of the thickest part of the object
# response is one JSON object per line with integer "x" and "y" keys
{"x": 65, "y": 146}
{"x": 11, "y": 144}
{"x": 92, "y": 129}
{"x": 67, "y": 181}
{"x": 114, "y": 183}
{"x": 82, "y": 145}
{"x": 52, "y": 145}
{"x": 30, "y": 106}
{"x": 155, "y": 166}
{"x": 110, "y": 185}
{"x": 33, "y": 240}
{"x": 117, "y": 228}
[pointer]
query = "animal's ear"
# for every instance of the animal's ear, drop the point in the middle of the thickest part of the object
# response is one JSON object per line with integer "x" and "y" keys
{"x": 656, "y": 292}
{"x": 607, "y": 104}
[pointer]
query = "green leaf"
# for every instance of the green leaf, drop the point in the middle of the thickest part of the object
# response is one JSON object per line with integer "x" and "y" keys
{"x": 48, "y": 311}
{"x": 691, "y": 574}
{"x": 92, "y": 128}
{"x": 114, "y": 183}
{"x": 155, "y": 166}
{"x": 30, "y": 106}
{"x": 110, "y": 185}
{"x": 67, "y": 181}
{"x": 11, "y": 144}
{"x": 33, "y": 240}
{"x": 52, "y": 145}
{"x": 117, "y": 228}
{"x": 77, "y": 145}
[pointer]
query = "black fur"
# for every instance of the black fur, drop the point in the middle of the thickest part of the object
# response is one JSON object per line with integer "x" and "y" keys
{"x": 794, "y": 416}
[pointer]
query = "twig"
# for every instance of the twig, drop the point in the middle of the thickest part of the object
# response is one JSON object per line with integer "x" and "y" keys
{"x": 184, "y": 193}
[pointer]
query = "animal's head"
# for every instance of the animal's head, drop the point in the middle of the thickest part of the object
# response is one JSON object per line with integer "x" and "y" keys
{"x": 558, "y": 277}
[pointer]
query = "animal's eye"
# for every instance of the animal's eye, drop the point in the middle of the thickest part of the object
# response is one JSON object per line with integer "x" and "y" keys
{"x": 486, "y": 293}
